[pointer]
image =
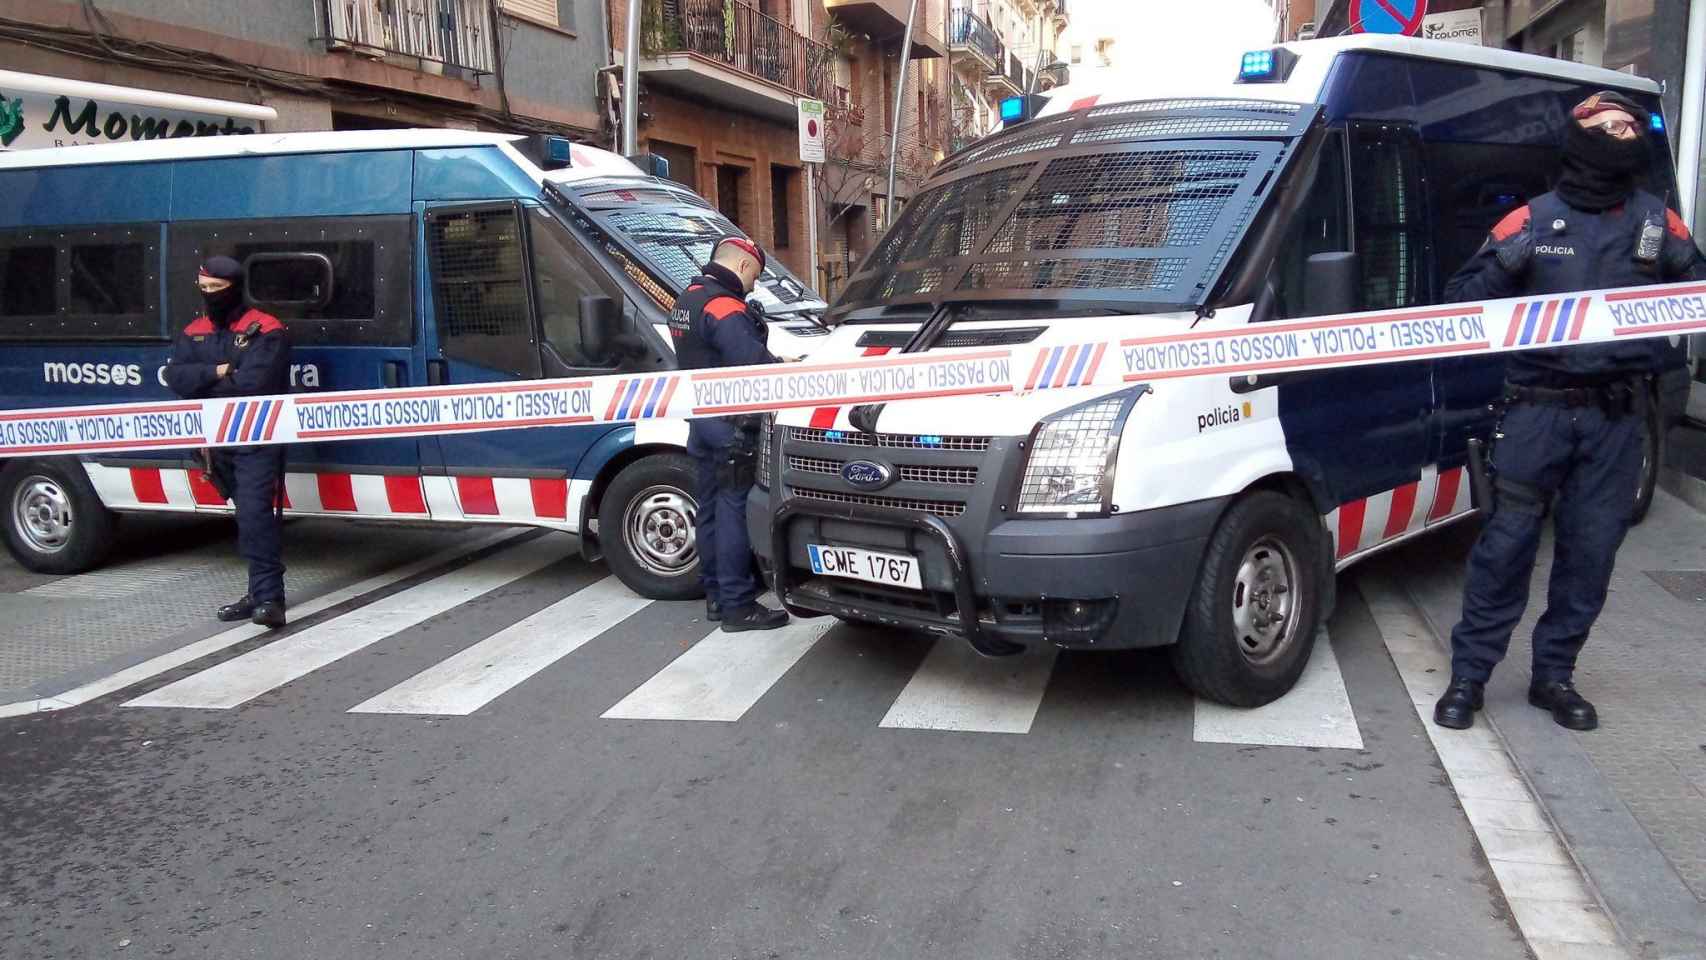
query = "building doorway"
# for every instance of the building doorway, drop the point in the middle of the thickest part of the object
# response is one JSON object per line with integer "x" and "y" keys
{"x": 732, "y": 195}
{"x": 683, "y": 162}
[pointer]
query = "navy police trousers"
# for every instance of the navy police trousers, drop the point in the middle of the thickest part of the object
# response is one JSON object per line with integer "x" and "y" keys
{"x": 1588, "y": 464}
{"x": 252, "y": 477}
{"x": 725, "y": 549}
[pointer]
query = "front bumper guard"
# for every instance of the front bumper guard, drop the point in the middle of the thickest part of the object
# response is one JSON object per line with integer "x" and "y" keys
{"x": 965, "y": 602}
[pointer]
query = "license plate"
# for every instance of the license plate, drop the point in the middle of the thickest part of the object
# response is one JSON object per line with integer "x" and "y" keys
{"x": 895, "y": 570}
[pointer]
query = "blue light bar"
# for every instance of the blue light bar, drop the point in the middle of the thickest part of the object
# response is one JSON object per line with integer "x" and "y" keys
{"x": 834, "y": 434}
{"x": 1657, "y": 123}
{"x": 1012, "y": 109}
{"x": 930, "y": 440}
{"x": 557, "y": 150}
{"x": 1257, "y": 65}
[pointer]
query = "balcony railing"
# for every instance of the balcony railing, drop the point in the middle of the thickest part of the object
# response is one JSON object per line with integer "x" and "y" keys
{"x": 1017, "y": 73}
{"x": 456, "y": 33}
{"x": 739, "y": 36}
{"x": 967, "y": 29}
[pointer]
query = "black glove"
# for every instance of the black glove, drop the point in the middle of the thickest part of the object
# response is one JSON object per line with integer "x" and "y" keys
{"x": 1515, "y": 251}
{"x": 1678, "y": 257}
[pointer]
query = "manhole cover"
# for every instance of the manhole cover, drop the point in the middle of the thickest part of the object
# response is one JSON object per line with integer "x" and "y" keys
{"x": 1685, "y": 585}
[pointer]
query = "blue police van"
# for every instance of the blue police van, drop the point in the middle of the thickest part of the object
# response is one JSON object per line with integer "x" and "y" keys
{"x": 396, "y": 258}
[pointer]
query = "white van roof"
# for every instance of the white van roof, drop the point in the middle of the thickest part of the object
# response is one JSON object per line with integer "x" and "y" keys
{"x": 1315, "y": 59}
{"x": 196, "y": 148}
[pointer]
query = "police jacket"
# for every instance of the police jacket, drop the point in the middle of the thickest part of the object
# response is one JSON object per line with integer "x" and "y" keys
{"x": 712, "y": 327}
{"x": 1566, "y": 250}
{"x": 255, "y": 344}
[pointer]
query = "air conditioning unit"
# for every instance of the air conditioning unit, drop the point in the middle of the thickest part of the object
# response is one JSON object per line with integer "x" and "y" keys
{"x": 1306, "y": 31}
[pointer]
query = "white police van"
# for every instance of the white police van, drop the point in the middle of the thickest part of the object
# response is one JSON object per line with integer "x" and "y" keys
{"x": 397, "y": 258}
{"x": 1209, "y": 514}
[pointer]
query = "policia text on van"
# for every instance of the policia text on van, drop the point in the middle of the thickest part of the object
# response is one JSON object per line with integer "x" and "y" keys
{"x": 396, "y": 258}
{"x": 1333, "y": 176}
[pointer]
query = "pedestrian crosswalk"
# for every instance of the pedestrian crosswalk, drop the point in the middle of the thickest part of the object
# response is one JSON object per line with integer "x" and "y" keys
{"x": 719, "y": 677}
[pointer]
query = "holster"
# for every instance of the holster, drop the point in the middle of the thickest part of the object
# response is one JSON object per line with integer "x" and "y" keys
{"x": 216, "y": 473}
{"x": 737, "y": 466}
{"x": 1480, "y": 478}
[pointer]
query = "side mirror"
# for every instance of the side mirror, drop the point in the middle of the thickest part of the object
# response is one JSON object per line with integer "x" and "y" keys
{"x": 601, "y": 324}
{"x": 1332, "y": 283}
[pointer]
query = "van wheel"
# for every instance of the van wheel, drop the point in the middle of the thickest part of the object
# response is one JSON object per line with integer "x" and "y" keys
{"x": 1251, "y": 622}
{"x": 646, "y": 524}
{"x": 54, "y": 521}
{"x": 1652, "y": 457}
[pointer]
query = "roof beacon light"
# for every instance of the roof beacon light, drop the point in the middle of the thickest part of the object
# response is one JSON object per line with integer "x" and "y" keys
{"x": 1013, "y": 110}
{"x": 1266, "y": 66}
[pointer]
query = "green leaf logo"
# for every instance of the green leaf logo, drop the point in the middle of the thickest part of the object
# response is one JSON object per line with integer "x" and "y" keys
{"x": 11, "y": 120}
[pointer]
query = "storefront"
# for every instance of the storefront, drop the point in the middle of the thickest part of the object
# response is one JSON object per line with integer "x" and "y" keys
{"x": 41, "y": 111}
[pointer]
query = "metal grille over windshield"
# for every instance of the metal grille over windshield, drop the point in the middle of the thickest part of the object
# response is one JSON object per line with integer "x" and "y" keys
{"x": 1141, "y": 204}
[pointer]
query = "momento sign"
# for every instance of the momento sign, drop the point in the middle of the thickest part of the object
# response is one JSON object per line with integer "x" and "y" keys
{"x": 1233, "y": 347}
{"x": 811, "y": 131}
{"x": 1462, "y": 26}
{"x": 1387, "y": 16}
{"x": 38, "y": 111}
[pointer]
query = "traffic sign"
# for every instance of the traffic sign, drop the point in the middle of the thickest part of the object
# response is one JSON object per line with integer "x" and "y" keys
{"x": 811, "y": 131}
{"x": 1388, "y": 16}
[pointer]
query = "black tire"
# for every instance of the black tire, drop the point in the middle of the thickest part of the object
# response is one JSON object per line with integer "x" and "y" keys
{"x": 53, "y": 520}
{"x": 1652, "y": 458}
{"x": 656, "y": 490}
{"x": 1266, "y": 539}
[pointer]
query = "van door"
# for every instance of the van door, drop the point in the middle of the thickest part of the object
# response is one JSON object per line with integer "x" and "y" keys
{"x": 358, "y": 334}
{"x": 1361, "y": 434}
{"x": 504, "y": 281}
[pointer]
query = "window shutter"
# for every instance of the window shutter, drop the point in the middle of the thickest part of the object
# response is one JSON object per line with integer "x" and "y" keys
{"x": 539, "y": 11}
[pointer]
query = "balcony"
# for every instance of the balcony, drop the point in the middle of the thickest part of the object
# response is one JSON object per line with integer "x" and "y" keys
{"x": 886, "y": 19}
{"x": 729, "y": 52}
{"x": 970, "y": 34}
{"x": 440, "y": 36}
{"x": 1014, "y": 79}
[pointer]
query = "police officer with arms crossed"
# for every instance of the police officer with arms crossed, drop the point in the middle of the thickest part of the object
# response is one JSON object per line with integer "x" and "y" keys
{"x": 1569, "y": 441}
{"x": 236, "y": 351}
{"x": 714, "y": 326}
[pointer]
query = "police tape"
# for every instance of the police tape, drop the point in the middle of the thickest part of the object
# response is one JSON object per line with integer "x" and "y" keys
{"x": 1389, "y": 336}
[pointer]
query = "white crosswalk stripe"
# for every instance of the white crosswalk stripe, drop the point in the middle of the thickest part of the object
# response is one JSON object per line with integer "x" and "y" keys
{"x": 721, "y": 676}
{"x": 241, "y": 679}
{"x": 957, "y": 689}
{"x": 485, "y": 671}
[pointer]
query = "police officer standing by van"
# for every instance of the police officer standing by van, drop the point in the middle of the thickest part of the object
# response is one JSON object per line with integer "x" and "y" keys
{"x": 234, "y": 350}
{"x": 714, "y": 326}
{"x": 1569, "y": 440}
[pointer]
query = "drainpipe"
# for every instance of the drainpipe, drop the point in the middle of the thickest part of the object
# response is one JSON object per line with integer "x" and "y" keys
{"x": 1693, "y": 115}
{"x": 900, "y": 102}
{"x": 631, "y": 82}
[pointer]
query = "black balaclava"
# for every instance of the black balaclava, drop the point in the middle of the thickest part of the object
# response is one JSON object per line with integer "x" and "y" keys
{"x": 1599, "y": 170}
{"x": 222, "y": 305}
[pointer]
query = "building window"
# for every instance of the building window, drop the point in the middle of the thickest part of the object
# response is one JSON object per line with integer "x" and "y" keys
{"x": 782, "y": 181}
{"x": 731, "y": 185}
{"x": 1078, "y": 53}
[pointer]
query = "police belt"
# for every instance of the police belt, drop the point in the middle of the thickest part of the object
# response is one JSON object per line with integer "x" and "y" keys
{"x": 1599, "y": 395}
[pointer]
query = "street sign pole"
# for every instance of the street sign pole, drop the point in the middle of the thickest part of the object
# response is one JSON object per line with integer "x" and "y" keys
{"x": 899, "y": 102}
{"x": 631, "y": 82}
{"x": 811, "y": 221}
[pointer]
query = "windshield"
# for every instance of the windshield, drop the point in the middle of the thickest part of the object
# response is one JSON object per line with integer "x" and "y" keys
{"x": 672, "y": 230}
{"x": 1135, "y": 203}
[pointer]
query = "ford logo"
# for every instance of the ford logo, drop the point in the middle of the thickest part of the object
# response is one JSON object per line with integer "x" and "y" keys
{"x": 866, "y": 474}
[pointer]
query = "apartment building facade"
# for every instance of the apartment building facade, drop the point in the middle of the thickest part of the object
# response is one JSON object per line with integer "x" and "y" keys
{"x": 504, "y": 65}
{"x": 1001, "y": 49}
{"x": 719, "y": 80}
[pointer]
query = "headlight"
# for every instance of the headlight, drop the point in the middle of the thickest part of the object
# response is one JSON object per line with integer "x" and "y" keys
{"x": 1071, "y": 463}
{"x": 766, "y": 428}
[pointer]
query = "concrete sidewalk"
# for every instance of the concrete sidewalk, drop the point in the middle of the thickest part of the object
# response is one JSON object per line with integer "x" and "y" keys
{"x": 1629, "y": 800}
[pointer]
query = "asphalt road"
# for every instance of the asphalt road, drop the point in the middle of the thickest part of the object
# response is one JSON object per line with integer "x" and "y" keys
{"x": 475, "y": 761}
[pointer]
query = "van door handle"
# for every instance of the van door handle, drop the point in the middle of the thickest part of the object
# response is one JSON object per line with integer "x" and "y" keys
{"x": 396, "y": 373}
{"x": 438, "y": 372}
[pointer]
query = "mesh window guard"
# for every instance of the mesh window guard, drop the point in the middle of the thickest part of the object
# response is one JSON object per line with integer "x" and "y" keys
{"x": 479, "y": 288}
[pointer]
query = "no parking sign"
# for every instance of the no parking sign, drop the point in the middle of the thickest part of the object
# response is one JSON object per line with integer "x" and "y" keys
{"x": 1388, "y": 16}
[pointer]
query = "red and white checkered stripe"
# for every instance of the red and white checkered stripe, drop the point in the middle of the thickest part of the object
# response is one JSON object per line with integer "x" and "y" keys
{"x": 544, "y": 501}
{"x": 1363, "y": 525}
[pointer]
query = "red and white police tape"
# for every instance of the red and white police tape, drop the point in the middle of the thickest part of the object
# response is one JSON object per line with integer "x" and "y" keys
{"x": 1387, "y": 336}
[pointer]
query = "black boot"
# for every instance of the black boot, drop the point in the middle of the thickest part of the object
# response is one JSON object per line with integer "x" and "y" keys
{"x": 713, "y": 610}
{"x": 1569, "y": 708}
{"x": 1456, "y": 707}
{"x": 754, "y": 617}
{"x": 269, "y": 614}
{"x": 241, "y": 610}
